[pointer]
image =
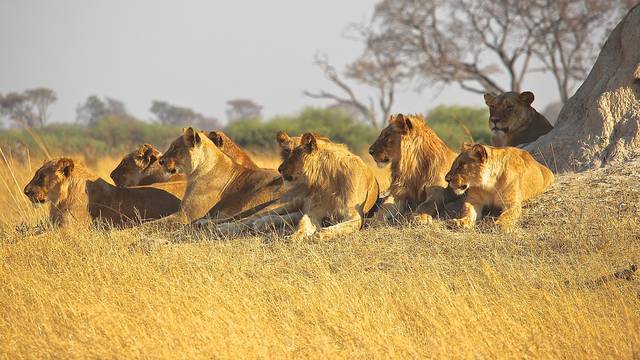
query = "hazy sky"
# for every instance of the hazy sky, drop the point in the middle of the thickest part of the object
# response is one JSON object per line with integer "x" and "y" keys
{"x": 191, "y": 53}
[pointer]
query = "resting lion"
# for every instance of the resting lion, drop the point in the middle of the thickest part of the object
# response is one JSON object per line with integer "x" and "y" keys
{"x": 513, "y": 121}
{"x": 140, "y": 167}
{"x": 419, "y": 162}
{"x": 77, "y": 195}
{"x": 338, "y": 187}
{"x": 288, "y": 209}
{"x": 496, "y": 178}
{"x": 217, "y": 186}
{"x": 231, "y": 149}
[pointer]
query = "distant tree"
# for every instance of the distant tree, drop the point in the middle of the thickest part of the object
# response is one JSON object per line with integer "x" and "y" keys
{"x": 473, "y": 43}
{"x": 28, "y": 108}
{"x": 456, "y": 124}
{"x": 17, "y": 107}
{"x": 243, "y": 109}
{"x": 94, "y": 109}
{"x": 377, "y": 68}
{"x": 41, "y": 99}
{"x": 168, "y": 114}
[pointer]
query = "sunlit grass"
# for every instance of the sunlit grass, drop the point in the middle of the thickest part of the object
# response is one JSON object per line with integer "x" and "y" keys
{"x": 385, "y": 292}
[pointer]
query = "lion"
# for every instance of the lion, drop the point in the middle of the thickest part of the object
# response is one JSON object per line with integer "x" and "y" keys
{"x": 419, "y": 161}
{"x": 338, "y": 187}
{"x": 496, "y": 178}
{"x": 217, "y": 186}
{"x": 77, "y": 195}
{"x": 288, "y": 209}
{"x": 140, "y": 167}
{"x": 513, "y": 121}
{"x": 231, "y": 149}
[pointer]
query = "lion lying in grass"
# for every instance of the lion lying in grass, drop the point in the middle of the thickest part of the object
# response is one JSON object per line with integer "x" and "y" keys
{"x": 217, "y": 186}
{"x": 77, "y": 195}
{"x": 496, "y": 178}
{"x": 513, "y": 120}
{"x": 338, "y": 187}
{"x": 141, "y": 167}
{"x": 419, "y": 162}
{"x": 289, "y": 209}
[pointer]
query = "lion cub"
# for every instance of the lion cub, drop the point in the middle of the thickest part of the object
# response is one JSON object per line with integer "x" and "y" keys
{"x": 496, "y": 178}
{"x": 338, "y": 187}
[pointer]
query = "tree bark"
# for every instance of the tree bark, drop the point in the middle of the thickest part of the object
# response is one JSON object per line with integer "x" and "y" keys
{"x": 600, "y": 123}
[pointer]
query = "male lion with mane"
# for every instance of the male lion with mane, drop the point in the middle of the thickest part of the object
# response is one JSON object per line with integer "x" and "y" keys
{"x": 496, "y": 178}
{"x": 419, "y": 162}
{"x": 339, "y": 188}
{"x": 512, "y": 119}
{"x": 77, "y": 195}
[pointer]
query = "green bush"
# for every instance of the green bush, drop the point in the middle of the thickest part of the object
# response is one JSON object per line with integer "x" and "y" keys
{"x": 456, "y": 124}
{"x": 332, "y": 123}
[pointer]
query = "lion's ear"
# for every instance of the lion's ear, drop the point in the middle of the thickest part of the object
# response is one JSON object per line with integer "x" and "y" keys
{"x": 404, "y": 122}
{"x": 192, "y": 137}
{"x": 478, "y": 152}
{"x": 309, "y": 141}
{"x": 149, "y": 153}
{"x": 526, "y": 97}
{"x": 65, "y": 166}
{"x": 216, "y": 138}
{"x": 489, "y": 99}
{"x": 282, "y": 137}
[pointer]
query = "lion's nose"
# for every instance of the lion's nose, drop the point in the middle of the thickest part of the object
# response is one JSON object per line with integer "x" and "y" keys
{"x": 29, "y": 193}
{"x": 447, "y": 178}
{"x": 494, "y": 120}
{"x": 162, "y": 161}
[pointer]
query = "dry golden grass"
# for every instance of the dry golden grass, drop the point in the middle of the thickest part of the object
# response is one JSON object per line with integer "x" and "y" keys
{"x": 544, "y": 291}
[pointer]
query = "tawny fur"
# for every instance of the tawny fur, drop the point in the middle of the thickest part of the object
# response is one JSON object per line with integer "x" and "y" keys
{"x": 496, "y": 178}
{"x": 77, "y": 195}
{"x": 419, "y": 162}
{"x": 339, "y": 187}
{"x": 512, "y": 119}
{"x": 231, "y": 149}
{"x": 217, "y": 186}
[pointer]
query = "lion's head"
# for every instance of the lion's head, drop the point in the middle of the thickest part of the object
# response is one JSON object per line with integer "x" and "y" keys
{"x": 287, "y": 143}
{"x": 50, "y": 181}
{"x": 183, "y": 152}
{"x": 468, "y": 168}
{"x": 509, "y": 110}
{"x": 135, "y": 165}
{"x": 387, "y": 147}
{"x": 292, "y": 166}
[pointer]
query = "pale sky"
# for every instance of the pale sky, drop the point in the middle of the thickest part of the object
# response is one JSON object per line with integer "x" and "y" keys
{"x": 197, "y": 54}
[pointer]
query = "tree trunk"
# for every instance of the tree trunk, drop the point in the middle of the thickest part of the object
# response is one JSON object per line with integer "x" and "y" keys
{"x": 600, "y": 124}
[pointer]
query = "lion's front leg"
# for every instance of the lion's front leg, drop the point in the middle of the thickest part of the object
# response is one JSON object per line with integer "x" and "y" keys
{"x": 306, "y": 228}
{"x": 391, "y": 210}
{"x": 469, "y": 216}
{"x": 509, "y": 216}
{"x": 351, "y": 224}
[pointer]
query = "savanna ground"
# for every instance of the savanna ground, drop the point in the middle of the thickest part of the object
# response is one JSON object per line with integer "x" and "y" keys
{"x": 546, "y": 290}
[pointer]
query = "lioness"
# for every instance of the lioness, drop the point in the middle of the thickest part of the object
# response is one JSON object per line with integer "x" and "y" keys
{"x": 231, "y": 149}
{"x": 496, "y": 178}
{"x": 217, "y": 186}
{"x": 78, "y": 195}
{"x": 339, "y": 187}
{"x": 419, "y": 162}
{"x": 140, "y": 167}
{"x": 513, "y": 121}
